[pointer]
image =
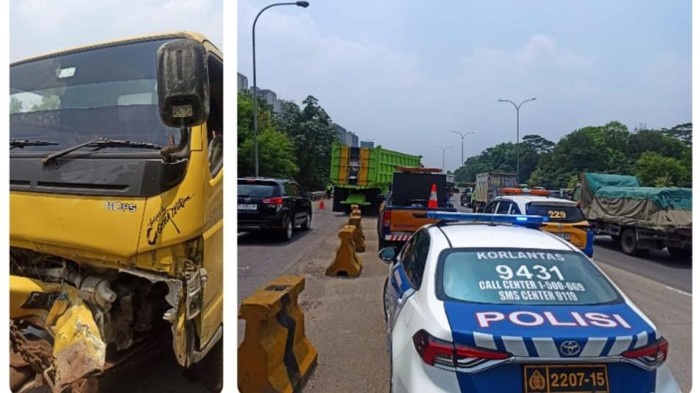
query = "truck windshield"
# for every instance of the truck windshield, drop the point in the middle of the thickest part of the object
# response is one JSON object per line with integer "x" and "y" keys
{"x": 68, "y": 99}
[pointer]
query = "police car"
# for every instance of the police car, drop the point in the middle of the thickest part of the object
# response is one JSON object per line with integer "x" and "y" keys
{"x": 488, "y": 303}
{"x": 565, "y": 218}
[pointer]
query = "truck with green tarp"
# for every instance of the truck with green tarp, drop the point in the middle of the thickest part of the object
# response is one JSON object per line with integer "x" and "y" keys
{"x": 638, "y": 218}
{"x": 361, "y": 174}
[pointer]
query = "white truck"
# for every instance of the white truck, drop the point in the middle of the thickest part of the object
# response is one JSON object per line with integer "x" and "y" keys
{"x": 488, "y": 184}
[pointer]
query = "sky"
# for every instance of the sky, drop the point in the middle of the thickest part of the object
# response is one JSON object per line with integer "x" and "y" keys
{"x": 406, "y": 73}
{"x": 41, "y": 26}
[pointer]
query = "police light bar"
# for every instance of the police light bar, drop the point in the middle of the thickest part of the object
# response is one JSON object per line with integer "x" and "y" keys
{"x": 513, "y": 219}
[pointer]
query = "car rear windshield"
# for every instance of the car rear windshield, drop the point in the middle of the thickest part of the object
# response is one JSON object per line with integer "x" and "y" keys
{"x": 257, "y": 189}
{"x": 555, "y": 212}
{"x": 521, "y": 276}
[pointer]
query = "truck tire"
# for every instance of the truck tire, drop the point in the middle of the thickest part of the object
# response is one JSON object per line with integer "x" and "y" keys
{"x": 680, "y": 252}
{"x": 628, "y": 242}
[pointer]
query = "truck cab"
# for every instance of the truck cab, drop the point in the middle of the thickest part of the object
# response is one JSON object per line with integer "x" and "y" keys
{"x": 116, "y": 206}
{"x": 410, "y": 197}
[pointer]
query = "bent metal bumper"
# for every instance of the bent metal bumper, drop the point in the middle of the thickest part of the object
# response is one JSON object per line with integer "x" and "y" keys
{"x": 78, "y": 348}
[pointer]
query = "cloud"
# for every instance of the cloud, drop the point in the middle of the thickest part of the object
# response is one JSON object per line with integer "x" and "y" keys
{"x": 39, "y": 26}
{"x": 397, "y": 97}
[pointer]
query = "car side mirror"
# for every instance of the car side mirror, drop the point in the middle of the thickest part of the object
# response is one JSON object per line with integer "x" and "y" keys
{"x": 183, "y": 83}
{"x": 388, "y": 254}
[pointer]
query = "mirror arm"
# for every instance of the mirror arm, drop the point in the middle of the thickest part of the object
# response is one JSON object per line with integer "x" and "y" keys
{"x": 170, "y": 150}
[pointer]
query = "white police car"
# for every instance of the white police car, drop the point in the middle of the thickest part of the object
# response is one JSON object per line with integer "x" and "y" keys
{"x": 487, "y": 307}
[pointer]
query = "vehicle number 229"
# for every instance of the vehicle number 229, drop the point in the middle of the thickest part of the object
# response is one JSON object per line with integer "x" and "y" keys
{"x": 556, "y": 214}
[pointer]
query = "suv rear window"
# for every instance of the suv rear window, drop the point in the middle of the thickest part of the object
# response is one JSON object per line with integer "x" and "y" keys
{"x": 555, "y": 212}
{"x": 257, "y": 189}
{"x": 521, "y": 276}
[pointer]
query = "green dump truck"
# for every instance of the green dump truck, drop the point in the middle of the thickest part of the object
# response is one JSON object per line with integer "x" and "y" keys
{"x": 360, "y": 174}
{"x": 638, "y": 218}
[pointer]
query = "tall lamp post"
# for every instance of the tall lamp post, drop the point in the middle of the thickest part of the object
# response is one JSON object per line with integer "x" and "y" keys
{"x": 443, "y": 156}
{"x": 303, "y": 4}
{"x": 517, "y": 141}
{"x": 462, "y": 135}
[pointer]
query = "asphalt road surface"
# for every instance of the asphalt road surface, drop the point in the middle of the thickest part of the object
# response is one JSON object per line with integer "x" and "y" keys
{"x": 344, "y": 316}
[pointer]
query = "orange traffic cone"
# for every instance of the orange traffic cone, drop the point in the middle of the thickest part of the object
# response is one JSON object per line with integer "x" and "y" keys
{"x": 321, "y": 205}
{"x": 432, "y": 203}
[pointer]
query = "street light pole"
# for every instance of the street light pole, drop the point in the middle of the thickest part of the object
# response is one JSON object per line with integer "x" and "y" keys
{"x": 462, "y": 135}
{"x": 443, "y": 156}
{"x": 302, "y": 4}
{"x": 517, "y": 141}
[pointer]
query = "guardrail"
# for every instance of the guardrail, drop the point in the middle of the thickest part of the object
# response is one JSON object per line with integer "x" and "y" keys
{"x": 316, "y": 195}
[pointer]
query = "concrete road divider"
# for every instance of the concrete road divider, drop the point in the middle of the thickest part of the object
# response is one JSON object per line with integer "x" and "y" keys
{"x": 358, "y": 236}
{"x": 275, "y": 355}
{"x": 346, "y": 262}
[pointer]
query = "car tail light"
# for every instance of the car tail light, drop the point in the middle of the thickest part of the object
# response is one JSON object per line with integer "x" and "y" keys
{"x": 436, "y": 352}
{"x": 652, "y": 355}
{"x": 386, "y": 218}
{"x": 277, "y": 201}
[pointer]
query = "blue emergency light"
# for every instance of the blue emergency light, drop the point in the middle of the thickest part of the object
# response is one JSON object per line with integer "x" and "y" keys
{"x": 513, "y": 219}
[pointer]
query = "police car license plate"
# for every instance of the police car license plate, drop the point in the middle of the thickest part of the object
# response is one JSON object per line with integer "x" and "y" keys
{"x": 565, "y": 236}
{"x": 247, "y": 206}
{"x": 566, "y": 378}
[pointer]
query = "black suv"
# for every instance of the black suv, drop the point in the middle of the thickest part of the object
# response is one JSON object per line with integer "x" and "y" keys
{"x": 272, "y": 204}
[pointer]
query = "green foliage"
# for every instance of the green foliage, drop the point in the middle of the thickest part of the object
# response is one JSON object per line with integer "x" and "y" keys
{"x": 312, "y": 131}
{"x": 681, "y": 132}
{"x": 294, "y": 143}
{"x": 275, "y": 155}
{"x": 655, "y": 170}
{"x": 659, "y": 157}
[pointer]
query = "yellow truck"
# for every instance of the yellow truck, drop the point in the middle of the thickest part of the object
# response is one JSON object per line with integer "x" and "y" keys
{"x": 116, "y": 209}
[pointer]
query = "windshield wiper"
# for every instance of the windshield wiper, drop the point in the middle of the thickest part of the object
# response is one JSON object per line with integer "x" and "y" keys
{"x": 21, "y": 143}
{"x": 100, "y": 143}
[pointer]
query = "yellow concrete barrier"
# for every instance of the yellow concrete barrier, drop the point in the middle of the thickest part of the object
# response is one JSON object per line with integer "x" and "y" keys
{"x": 346, "y": 262}
{"x": 275, "y": 356}
{"x": 358, "y": 236}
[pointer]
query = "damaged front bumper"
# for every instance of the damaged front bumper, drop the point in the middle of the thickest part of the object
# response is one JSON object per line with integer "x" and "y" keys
{"x": 69, "y": 327}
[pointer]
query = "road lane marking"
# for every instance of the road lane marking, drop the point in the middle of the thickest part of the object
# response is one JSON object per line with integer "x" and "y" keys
{"x": 679, "y": 291}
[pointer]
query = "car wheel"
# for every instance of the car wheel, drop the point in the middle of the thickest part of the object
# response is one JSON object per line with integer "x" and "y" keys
{"x": 306, "y": 225}
{"x": 287, "y": 228}
{"x": 628, "y": 242}
{"x": 386, "y": 301}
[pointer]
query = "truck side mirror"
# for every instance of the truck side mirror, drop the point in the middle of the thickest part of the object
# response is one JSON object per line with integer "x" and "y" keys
{"x": 183, "y": 83}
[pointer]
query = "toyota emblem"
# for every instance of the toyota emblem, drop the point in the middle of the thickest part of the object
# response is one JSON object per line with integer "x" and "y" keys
{"x": 569, "y": 348}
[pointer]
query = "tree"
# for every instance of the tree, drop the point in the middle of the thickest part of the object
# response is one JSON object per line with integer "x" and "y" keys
{"x": 655, "y": 170}
{"x": 682, "y": 132}
{"x": 655, "y": 141}
{"x": 276, "y": 153}
{"x": 538, "y": 144}
{"x": 311, "y": 130}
